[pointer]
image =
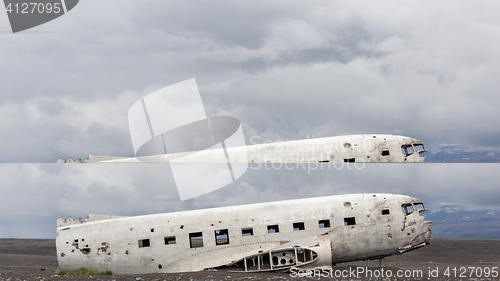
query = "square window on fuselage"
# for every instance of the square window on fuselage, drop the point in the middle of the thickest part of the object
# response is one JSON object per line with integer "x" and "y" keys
{"x": 221, "y": 237}
{"x": 247, "y": 231}
{"x": 195, "y": 240}
{"x": 144, "y": 243}
{"x": 350, "y": 221}
{"x": 324, "y": 223}
{"x": 298, "y": 226}
{"x": 170, "y": 240}
{"x": 273, "y": 229}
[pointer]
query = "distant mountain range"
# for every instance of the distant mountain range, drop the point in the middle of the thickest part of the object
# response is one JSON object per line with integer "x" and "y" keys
{"x": 456, "y": 153}
{"x": 456, "y": 222}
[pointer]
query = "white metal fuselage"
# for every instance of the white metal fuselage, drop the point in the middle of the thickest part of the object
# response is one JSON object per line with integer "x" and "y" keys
{"x": 335, "y": 228}
{"x": 350, "y": 148}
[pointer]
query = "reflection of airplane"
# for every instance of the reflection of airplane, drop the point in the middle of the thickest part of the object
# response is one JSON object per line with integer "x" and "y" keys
{"x": 304, "y": 233}
{"x": 351, "y": 148}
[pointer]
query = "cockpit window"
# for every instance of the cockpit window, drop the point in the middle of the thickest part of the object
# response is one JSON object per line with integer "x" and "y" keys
{"x": 419, "y": 207}
{"x": 419, "y": 147}
{"x": 407, "y": 209}
{"x": 407, "y": 150}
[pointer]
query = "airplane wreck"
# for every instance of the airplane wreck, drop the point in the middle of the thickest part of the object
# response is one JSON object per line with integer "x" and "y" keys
{"x": 303, "y": 233}
{"x": 349, "y": 148}
{"x": 227, "y": 160}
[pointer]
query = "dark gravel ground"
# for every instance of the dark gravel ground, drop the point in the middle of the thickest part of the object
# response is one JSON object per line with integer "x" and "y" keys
{"x": 35, "y": 259}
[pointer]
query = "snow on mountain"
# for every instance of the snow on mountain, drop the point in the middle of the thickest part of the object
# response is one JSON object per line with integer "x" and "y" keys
{"x": 455, "y": 221}
{"x": 456, "y": 153}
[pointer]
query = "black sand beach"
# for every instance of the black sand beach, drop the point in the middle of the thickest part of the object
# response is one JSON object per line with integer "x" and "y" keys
{"x": 35, "y": 259}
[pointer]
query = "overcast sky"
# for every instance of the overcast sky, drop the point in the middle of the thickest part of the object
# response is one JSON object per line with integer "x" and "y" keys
{"x": 286, "y": 69}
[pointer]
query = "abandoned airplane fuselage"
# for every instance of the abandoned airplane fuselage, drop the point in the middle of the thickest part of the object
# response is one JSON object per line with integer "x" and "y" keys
{"x": 350, "y": 148}
{"x": 303, "y": 233}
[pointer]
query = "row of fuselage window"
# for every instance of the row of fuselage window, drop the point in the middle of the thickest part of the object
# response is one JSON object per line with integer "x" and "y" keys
{"x": 222, "y": 235}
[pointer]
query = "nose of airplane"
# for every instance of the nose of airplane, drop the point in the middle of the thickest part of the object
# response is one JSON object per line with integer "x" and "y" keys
{"x": 415, "y": 141}
{"x": 423, "y": 237}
